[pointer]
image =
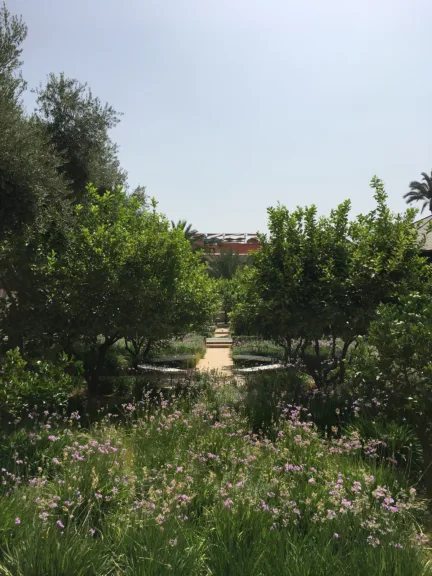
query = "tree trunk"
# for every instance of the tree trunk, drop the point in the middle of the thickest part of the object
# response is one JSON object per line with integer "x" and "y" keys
{"x": 147, "y": 348}
{"x": 94, "y": 386}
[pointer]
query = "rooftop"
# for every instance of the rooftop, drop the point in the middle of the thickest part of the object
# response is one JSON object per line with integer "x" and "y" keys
{"x": 424, "y": 227}
{"x": 228, "y": 237}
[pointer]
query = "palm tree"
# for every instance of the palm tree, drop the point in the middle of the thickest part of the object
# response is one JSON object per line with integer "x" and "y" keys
{"x": 190, "y": 233}
{"x": 225, "y": 264}
{"x": 421, "y": 192}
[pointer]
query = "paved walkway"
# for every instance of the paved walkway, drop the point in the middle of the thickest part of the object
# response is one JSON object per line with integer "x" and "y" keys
{"x": 217, "y": 358}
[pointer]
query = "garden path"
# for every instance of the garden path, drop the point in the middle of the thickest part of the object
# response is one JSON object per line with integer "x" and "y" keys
{"x": 218, "y": 358}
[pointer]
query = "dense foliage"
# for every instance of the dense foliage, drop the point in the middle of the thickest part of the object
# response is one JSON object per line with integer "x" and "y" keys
{"x": 323, "y": 278}
{"x": 83, "y": 263}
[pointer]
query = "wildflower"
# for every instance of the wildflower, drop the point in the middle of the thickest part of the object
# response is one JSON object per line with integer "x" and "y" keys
{"x": 311, "y": 481}
{"x": 60, "y": 524}
{"x": 398, "y": 546}
{"x": 92, "y": 531}
{"x": 17, "y": 521}
{"x": 373, "y": 541}
{"x": 331, "y": 513}
{"x": 336, "y": 535}
{"x": 228, "y": 503}
{"x": 179, "y": 468}
{"x": 43, "y": 516}
{"x": 160, "y": 519}
{"x": 56, "y": 461}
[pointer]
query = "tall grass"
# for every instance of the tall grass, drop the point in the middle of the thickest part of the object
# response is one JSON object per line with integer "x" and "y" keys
{"x": 182, "y": 486}
{"x": 191, "y": 344}
{"x": 257, "y": 348}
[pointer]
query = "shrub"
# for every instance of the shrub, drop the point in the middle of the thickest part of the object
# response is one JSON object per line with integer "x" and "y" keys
{"x": 391, "y": 371}
{"x": 44, "y": 385}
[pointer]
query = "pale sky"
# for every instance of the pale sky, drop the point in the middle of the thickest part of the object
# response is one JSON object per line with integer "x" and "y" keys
{"x": 233, "y": 105}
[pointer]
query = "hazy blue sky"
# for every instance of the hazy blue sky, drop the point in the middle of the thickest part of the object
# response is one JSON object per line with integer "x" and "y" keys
{"x": 232, "y": 105}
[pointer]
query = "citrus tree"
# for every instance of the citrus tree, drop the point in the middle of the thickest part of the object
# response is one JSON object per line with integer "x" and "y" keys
{"x": 126, "y": 274}
{"x": 317, "y": 282}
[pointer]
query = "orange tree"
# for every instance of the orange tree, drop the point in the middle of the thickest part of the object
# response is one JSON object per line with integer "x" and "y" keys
{"x": 317, "y": 282}
{"x": 126, "y": 274}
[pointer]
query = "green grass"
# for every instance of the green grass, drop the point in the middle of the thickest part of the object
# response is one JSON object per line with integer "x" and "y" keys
{"x": 182, "y": 487}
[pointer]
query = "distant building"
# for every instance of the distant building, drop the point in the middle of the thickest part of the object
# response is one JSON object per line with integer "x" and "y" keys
{"x": 424, "y": 228}
{"x": 240, "y": 243}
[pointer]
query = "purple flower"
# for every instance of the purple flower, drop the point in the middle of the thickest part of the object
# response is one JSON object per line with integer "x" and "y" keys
{"x": 92, "y": 531}
{"x": 228, "y": 503}
{"x": 17, "y": 521}
{"x": 43, "y": 516}
{"x": 60, "y": 524}
{"x": 331, "y": 513}
{"x": 336, "y": 535}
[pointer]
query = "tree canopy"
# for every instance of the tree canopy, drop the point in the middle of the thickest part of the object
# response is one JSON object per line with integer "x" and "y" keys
{"x": 318, "y": 278}
{"x": 77, "y": 124}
